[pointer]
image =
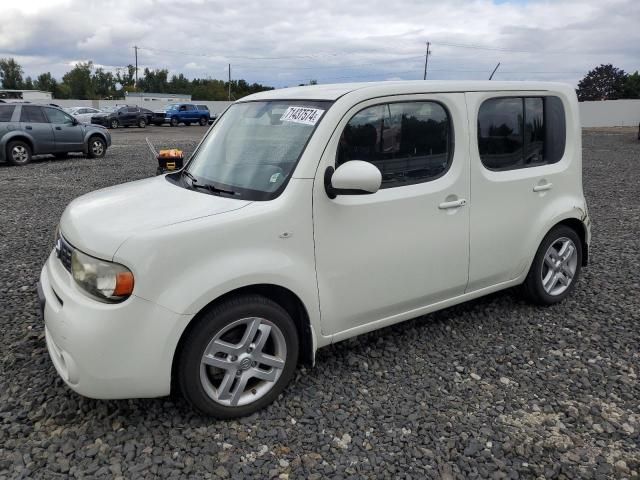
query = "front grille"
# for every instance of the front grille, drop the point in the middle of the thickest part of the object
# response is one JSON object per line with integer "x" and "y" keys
{"x": 158, "y": 116}
{"x": 64, "y": 251}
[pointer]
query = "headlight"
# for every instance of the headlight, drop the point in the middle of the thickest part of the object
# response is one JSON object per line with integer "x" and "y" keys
{"x": 106, "y": 281}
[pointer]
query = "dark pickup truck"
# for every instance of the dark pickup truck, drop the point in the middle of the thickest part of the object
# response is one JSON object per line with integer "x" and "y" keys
{"x": 177, "y": 113}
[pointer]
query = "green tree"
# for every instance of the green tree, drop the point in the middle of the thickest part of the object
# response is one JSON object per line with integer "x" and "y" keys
{"x": 28, "y": 84}
{"x": 10, "y": 74}
{"x": 154, "y": 81}
{"x": 79, "y": 81}
{"x": 126, "y": 78}
{"x": 103, "y": 83}
{"x": 46, "y": 83}
{"x": 602, "y": 83}
{"x": 631, "y": 88}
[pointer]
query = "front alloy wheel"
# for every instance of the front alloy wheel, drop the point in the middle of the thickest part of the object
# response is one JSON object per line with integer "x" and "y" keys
{"x": 114, "y": 123}
{"x": 97, "y": 147}
{"x": 238, "y": 357}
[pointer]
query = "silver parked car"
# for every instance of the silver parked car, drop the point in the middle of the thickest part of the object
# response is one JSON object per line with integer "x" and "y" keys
{"x": 32, "y": 129}
{"x": 82, "y": 114}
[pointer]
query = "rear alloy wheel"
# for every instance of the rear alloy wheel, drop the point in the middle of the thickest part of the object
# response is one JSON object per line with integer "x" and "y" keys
{"x": 555, "y": 268}
{"x": 97, "y": 147}
{"x": 142, "y": 123}
{"x": 238, "y": 357}
{"x": 114, "y": 123}
{"x": 18, "y": 153}
{"x": 203, "y": 121}
{"x": 174, "y": 122}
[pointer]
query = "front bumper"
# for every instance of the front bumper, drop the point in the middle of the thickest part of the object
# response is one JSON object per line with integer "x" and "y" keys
{"x": 107, "y": 351}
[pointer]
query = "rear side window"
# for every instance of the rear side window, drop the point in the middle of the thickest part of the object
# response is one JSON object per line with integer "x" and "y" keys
{"x": 519, "y": 132}
{"x": 409, "y": 142}
{"x": 203, "y": 107}
{"x": 32, "y": 114}
{"x": 191, "y": 107}
{"x": 6, "y": 112}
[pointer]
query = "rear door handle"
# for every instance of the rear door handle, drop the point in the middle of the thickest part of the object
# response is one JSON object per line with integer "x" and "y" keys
{"x": 542, "y": 188}
{"x": 453, "y": 204}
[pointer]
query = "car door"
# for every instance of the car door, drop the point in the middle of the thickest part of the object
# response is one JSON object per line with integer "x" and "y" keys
{"x": 35, "y": 123}
{"x": 68, "y": 133}
{"x": 518, "y": 168}
{"x": 406, "y": 246}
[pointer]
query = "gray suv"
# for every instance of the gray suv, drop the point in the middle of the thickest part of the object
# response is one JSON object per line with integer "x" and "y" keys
{"x": 31, "y": 129}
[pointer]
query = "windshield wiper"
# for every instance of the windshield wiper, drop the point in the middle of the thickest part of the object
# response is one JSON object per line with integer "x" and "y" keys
{"x": 205, "y": 186}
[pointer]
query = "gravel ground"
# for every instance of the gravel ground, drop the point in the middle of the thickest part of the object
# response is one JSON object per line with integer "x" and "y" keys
{"x": 492, "y": 388}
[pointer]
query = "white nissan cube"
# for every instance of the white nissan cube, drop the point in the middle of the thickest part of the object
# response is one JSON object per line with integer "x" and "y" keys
{"x": 307, "y": 216}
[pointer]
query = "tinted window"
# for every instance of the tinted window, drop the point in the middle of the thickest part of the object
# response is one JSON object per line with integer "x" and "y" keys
{"x": 203, "y": 107}
{"x": 408, "y": 142}
{"x": 58, "y": 116}
{"x": 132, "y": 109}
{"x": 518, "y": 132}
{"x": 191, "y": 107}
{"x": 6, "y": 112}
{"x": 32, "y": 114}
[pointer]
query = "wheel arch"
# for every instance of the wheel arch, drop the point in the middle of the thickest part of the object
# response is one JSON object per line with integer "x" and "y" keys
{"x": 22, "y": 138}
{"x": 579, "y": 227}
{"x": 280, "y": 295}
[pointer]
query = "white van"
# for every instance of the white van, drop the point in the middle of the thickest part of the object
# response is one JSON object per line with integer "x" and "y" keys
{"x": 307, "y": 216}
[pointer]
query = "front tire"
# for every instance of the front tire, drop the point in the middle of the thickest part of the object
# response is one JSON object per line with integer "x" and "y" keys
{"x": 114, "y": 123}
{"x": 97, "y": 148}
{"x": 203, "y": 121}
{"x": 142, "y": 123}
{"x": 238, "y": 357}
{"x": 18, "y": 153}
{"x": 556, "y": 267}
{"x": 174, "y": 122}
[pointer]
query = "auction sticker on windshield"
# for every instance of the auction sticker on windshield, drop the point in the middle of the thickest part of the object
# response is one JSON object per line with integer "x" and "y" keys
{"x": 306, "y": 115}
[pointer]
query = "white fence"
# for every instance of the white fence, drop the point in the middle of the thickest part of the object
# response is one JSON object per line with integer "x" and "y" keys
{"x": 610, "y": 113}
{"x": 214, "y": 107}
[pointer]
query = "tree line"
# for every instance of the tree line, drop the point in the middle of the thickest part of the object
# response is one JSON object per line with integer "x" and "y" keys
{"x": 86, "y": 82}
{"x": 607, "y": 82}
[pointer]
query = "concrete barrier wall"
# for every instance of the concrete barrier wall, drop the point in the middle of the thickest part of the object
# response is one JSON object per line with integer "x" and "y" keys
{"x": 214, "y": 107}
{"x": 610, "y": 113}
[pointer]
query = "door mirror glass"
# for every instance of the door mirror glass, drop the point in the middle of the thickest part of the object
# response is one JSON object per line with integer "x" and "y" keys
{"x": 354, "y": 177}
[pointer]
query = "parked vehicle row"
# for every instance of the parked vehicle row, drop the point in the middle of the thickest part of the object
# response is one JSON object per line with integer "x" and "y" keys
{"x": 33, "y": 129}
{"x": 132, "y": 115}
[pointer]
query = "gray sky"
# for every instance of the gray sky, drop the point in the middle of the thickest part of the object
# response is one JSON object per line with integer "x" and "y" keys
{"x": 284, "y": 43}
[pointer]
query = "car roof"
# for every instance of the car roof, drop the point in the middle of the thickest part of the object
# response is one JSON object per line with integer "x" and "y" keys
{"x": 337, "y": 90}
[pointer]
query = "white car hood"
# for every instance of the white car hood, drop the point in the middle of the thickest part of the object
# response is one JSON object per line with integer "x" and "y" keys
{"x": 99, "y": 222}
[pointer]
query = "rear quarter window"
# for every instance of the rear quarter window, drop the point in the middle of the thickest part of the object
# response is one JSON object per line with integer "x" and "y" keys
{"x": 6, "y": 112}
{"x": 520, "y": 132}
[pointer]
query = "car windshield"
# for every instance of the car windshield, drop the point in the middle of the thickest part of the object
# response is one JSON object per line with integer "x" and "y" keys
{"x": 254, "y": 147}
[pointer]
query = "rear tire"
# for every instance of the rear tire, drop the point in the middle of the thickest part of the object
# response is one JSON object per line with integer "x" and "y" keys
{"x": 245, "y": 347}
{"x": 18, "y": 153}
{"x": 142, "y": 123}
{"x": 555, "y": 268}
{"x": 96, "y": 147}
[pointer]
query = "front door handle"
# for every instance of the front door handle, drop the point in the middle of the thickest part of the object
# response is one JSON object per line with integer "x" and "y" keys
{"x": 58, "y": 128}
{"x": 29, "y": 127}
{"x": 453, "y": 204}
{"x": 543, "y": 188}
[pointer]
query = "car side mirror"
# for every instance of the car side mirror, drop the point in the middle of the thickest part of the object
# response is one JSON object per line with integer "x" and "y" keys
{"x": 354, "y": 177}
{"x": 75, "y": 121}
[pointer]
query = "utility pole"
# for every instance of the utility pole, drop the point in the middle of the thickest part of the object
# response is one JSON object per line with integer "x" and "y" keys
{"x": 426, "y": 60}
{"x": 229, "y": 82}
{"x": 494, "y": 71}
{"x": 135, "y": 48}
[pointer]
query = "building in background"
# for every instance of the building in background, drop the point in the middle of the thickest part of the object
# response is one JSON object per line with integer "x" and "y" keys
{"x": 140, "y": 97}
{"x": 26, "y": 95}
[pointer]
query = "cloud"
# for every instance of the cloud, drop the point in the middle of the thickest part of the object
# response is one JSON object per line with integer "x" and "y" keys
{"x": 281, "y": 43}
